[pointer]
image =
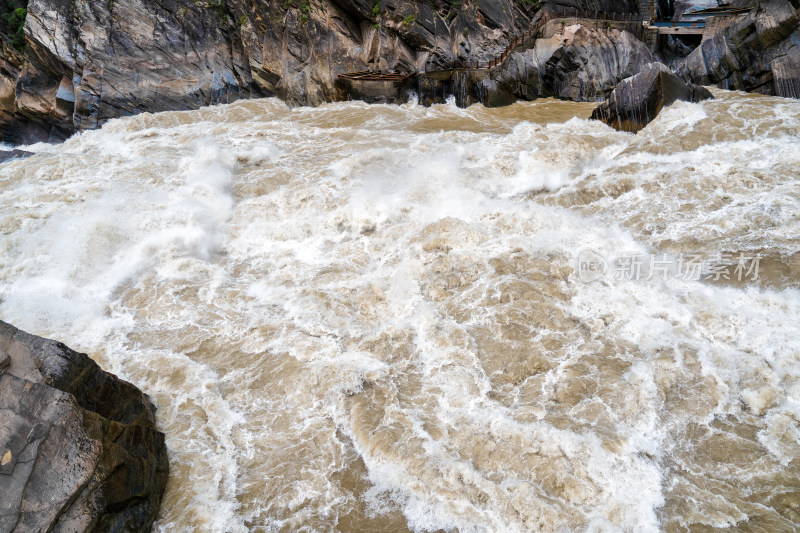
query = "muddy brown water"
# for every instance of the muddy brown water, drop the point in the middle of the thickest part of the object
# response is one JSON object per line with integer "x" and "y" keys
{"x": 376, "y": 318}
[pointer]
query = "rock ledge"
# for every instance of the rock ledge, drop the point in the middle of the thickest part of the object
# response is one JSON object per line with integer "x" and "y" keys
{"x": 78, "y": 447}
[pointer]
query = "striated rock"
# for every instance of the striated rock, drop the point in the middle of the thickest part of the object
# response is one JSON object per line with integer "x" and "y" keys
{"x": 580, "y": 64}
{"x": 87, "y": 62}
{"x": 299, "y": 53}
{"x": 760, "y": 52}
{"x": 557, "y": 7}
{"x": 637, "y": 100}
{"x": 78, "y": 447}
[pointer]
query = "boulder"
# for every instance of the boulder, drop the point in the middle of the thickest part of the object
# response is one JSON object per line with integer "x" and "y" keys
{"x": 79, "y": 450}
{"x": 638, "y": 99}
{"x": 8, "y": 155}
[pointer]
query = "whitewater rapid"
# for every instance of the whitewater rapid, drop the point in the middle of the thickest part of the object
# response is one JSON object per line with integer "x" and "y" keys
{"x": 375, "y": 318}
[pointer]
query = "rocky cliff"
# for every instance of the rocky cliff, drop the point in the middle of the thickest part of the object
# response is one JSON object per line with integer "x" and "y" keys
{"x": 78, "y": 447}
{"x": 85, "y": 61}
{"x": 79, "y": 63}
{"x": 760, "y": 52}
{"x": 579, "y": 63}
{"x": 70, "y": 65}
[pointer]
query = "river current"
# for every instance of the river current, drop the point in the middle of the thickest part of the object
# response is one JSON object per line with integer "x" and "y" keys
{"x": 390, "y": 318}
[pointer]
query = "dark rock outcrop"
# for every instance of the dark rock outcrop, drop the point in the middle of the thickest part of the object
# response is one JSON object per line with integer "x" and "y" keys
{"x": 759, "y": 52}
{"x": 8, "y": 155}
{"x": 637, "y": 100}
{"x": 559, "y": 7}
{"x": 78, "y": 447}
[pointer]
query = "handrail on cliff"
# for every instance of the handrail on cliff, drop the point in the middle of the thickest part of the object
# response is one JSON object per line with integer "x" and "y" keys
{"x": 595, "y": 15}
{"x": 371, "y": 75}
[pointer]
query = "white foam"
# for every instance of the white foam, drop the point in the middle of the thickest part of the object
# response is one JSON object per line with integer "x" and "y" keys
{"x": 298, "y": 297}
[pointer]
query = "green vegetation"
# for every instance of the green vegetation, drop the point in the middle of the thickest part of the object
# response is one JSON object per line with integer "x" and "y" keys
{"x": 376, "y": 9}
{"x": 409, "y": 20}
{"x": 453, "y": 11}
{"x": 220, "y": 7}
{"x": 305, "y": 10}
{"x": 242, "y": 20}
{"x": 13, "y": 25}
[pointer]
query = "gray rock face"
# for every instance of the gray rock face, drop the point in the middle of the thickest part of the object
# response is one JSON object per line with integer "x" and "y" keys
{"x": 78, "y": 447}
{"x": 88, "y": 61}
{"x": 580, "y": 64}
{"x": 760, "y": 52}
{"x": 637, "y": 100}
{"x": 553, "y": 7}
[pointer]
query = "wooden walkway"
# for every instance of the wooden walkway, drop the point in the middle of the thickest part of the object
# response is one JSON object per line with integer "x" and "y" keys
{"x": 370, "y": 75}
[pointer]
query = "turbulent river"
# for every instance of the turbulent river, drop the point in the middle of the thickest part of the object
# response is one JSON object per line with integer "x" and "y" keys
{"x": 393, "y": 318}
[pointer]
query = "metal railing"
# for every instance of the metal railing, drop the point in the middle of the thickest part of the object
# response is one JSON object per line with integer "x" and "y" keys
{"x": 373, "y": 75}
{"x": 681, "y": 24}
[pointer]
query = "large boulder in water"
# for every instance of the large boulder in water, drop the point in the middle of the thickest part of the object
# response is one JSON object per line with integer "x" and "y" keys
{"x": 638, "y": 99}
{"x": 79, "y": 450}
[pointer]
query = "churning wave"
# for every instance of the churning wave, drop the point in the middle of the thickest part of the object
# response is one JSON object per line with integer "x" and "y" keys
{"x": 373, "y": 318}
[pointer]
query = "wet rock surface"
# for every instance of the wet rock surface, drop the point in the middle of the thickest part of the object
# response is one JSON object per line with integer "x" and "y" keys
{"x": 8, "y": 155}
{"x": 79, "y": 450}
{"x": 637, "y": 100}
{"x": 84, "y": 63}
